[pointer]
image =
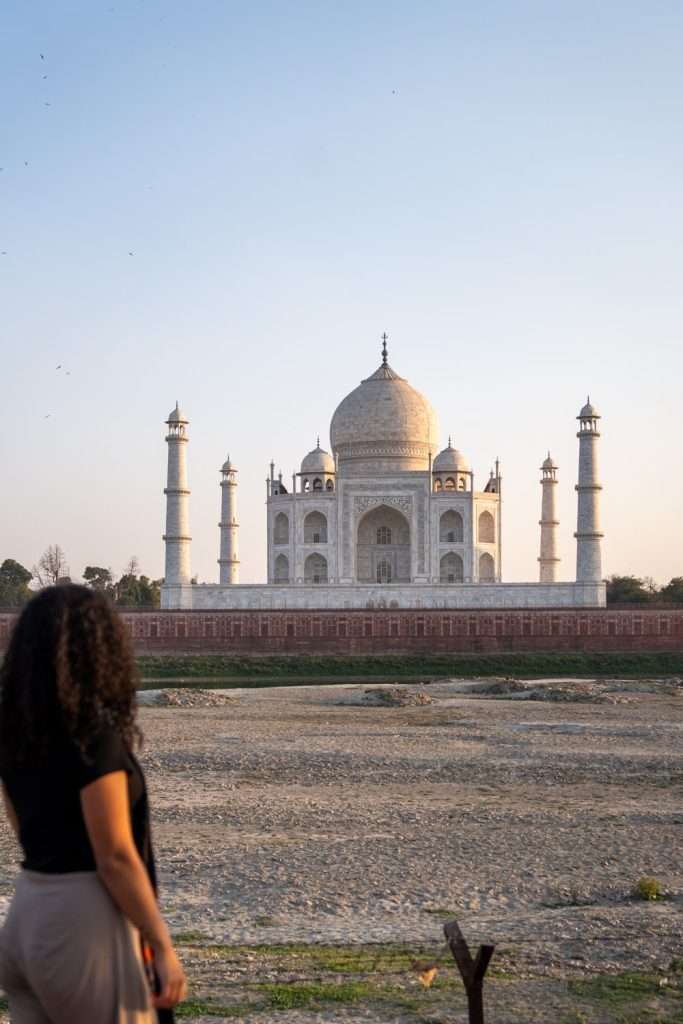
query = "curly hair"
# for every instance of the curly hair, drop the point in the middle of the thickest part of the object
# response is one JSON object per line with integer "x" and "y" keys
{"x": 68, "y": 673}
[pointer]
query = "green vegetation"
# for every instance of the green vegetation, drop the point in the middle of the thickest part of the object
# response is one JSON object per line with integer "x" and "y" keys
{"x": 283, "y": 669}
{"x": 442, "y": 912}
{"x": 298, "y": 994}
{"x": 632, "y": 590}
{"x": 206, "y": 1008}
{"x": 187, "y": 938}
{"x": 132, "y": 590}
{"x": 14, "y": 581}
{"x": 374, "y": 958}
{"x": 649, "y": 888}
{"x": 380, "y": 980}
{"x": 620, "y": 989}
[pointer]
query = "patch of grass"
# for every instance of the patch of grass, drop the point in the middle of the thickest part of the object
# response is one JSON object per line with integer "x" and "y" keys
{"x": 649, "y": 888}
{"x": 299, "y": 994}
{"x": 441, "y": 912}
{"x": 266, "y": 670}
{"x": 186, "y": 938}
{"x": 372, "y": 958}
{"x": 204, "y": 1008}
{"x": 617, "y": 990}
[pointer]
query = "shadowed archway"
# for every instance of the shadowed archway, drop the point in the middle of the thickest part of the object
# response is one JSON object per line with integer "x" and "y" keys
{"x": 383, "y": 547}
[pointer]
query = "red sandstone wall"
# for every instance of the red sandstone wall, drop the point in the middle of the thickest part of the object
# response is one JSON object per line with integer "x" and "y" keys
{"x": 381, "y": 631}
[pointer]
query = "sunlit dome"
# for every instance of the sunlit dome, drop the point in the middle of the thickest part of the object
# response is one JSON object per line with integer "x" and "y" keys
{"x": 318, "y": 461}
{"x": 385, "y": 419}
{"x": 177, "y": 415}
{"x": 450, "y": 460}
{"x": 589, "y": 412}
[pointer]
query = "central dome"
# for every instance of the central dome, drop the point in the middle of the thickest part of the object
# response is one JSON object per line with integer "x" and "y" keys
{"x": 384, "y": 420}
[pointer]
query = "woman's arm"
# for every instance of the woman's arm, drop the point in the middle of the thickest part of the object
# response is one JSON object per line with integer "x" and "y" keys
{"x": 106, "y": 813}
{"x": 10, "y": 812}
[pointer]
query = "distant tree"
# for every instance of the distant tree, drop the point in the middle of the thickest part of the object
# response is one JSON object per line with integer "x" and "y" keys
{"x": 628, "y": 590}
{"x": 673, "y": 591}
{"x": 149, "y": 592}
{"x": 133, "y": 567}
{"x": 133, "y": 591}
{"x": 127, "y": 591}
{"x": 98, "y": 578}
{"x": 51, "y": 567}
{"x": 14, "y": 581}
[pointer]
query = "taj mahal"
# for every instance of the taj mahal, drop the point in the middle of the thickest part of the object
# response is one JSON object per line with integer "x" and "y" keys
{"x": 384, "y": 520}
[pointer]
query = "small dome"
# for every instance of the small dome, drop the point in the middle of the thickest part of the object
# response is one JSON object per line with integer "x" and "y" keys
{"x": 589, "y": 412}
{"x": 228, "y": 467}
{"x": 318, "y": 461}
{"x": 450, "y": 460}
{"x": 548, "y": 463}
{"x": 177, "y": 415}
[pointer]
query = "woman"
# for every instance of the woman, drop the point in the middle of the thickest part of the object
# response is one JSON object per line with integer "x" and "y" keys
{"x": 70, "y": 951}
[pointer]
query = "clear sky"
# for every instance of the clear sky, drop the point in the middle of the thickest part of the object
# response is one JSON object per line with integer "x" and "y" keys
{"x": 227, "y": 203}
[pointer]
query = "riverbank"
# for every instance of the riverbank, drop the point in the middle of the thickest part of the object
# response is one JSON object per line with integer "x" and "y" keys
{"x": 279, "y": 669}
{"x": 312, "y": 841}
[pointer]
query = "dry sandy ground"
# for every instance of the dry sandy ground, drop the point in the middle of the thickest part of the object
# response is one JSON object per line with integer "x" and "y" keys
{"x": 289, "y": 815}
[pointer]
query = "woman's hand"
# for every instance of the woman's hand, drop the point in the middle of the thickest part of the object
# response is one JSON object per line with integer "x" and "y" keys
{"x": 172, "y": 981}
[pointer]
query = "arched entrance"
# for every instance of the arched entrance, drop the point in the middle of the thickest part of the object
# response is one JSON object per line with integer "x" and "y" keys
{"x": 383, "y": 547}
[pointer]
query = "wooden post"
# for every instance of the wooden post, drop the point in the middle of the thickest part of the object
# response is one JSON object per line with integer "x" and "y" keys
{"x": 471, "y": 970}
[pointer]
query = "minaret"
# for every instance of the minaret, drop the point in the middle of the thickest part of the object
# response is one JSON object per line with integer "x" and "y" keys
{"x": 588, "y": 535}
{"x": 548, "y": 560}
{"x": 228, "y": 561}
{"x": 177, "y": 536}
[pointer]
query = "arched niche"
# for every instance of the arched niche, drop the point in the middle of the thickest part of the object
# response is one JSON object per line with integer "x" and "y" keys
{"x": 486, "y": 528}
{"x": 487, "y": 568}
{"x": 315, "y": 528}
{"x": 281, "y": 529}
{"x": 451, "y": 528}
{"x": 315, "y": 569}
{"x": 282, "y": 569}
{"x": 451, "y": 568}
{"x": 383, "y": 536}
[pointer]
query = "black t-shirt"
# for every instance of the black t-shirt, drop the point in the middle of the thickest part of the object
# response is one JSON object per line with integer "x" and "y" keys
{"x": 47, "y": 800}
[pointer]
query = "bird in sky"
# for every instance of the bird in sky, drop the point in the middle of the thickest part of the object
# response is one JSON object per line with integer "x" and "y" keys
{"x": 48, "y": 104}
{"x": 48, "y": 416}
{"x": 44, "y": 77}
{"x": 58, "y": 367}
{"x": 42, "y": 56}
{"x": 3, "y": 253}
{"x": 131, "y": 253}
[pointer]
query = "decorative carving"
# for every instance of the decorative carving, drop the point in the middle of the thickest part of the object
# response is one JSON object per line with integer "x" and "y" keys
{"x": 363, "y": 504}
{"x": 359, "y": 450}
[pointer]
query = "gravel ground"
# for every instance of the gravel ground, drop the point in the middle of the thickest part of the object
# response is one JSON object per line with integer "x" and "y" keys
{"x": 320, "y": 815}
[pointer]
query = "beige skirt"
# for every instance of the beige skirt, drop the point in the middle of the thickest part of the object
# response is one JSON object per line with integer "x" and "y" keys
{"x": 69, "y": 956}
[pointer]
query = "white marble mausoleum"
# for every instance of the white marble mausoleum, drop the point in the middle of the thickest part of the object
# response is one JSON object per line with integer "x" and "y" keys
{"x": 386, "y": 518}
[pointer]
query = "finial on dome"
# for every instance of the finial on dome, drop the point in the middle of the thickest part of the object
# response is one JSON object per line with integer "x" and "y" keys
{"x": 449, "y": 441}
{"x": 317, "y": 443}
{"x": 385, "y": 354}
